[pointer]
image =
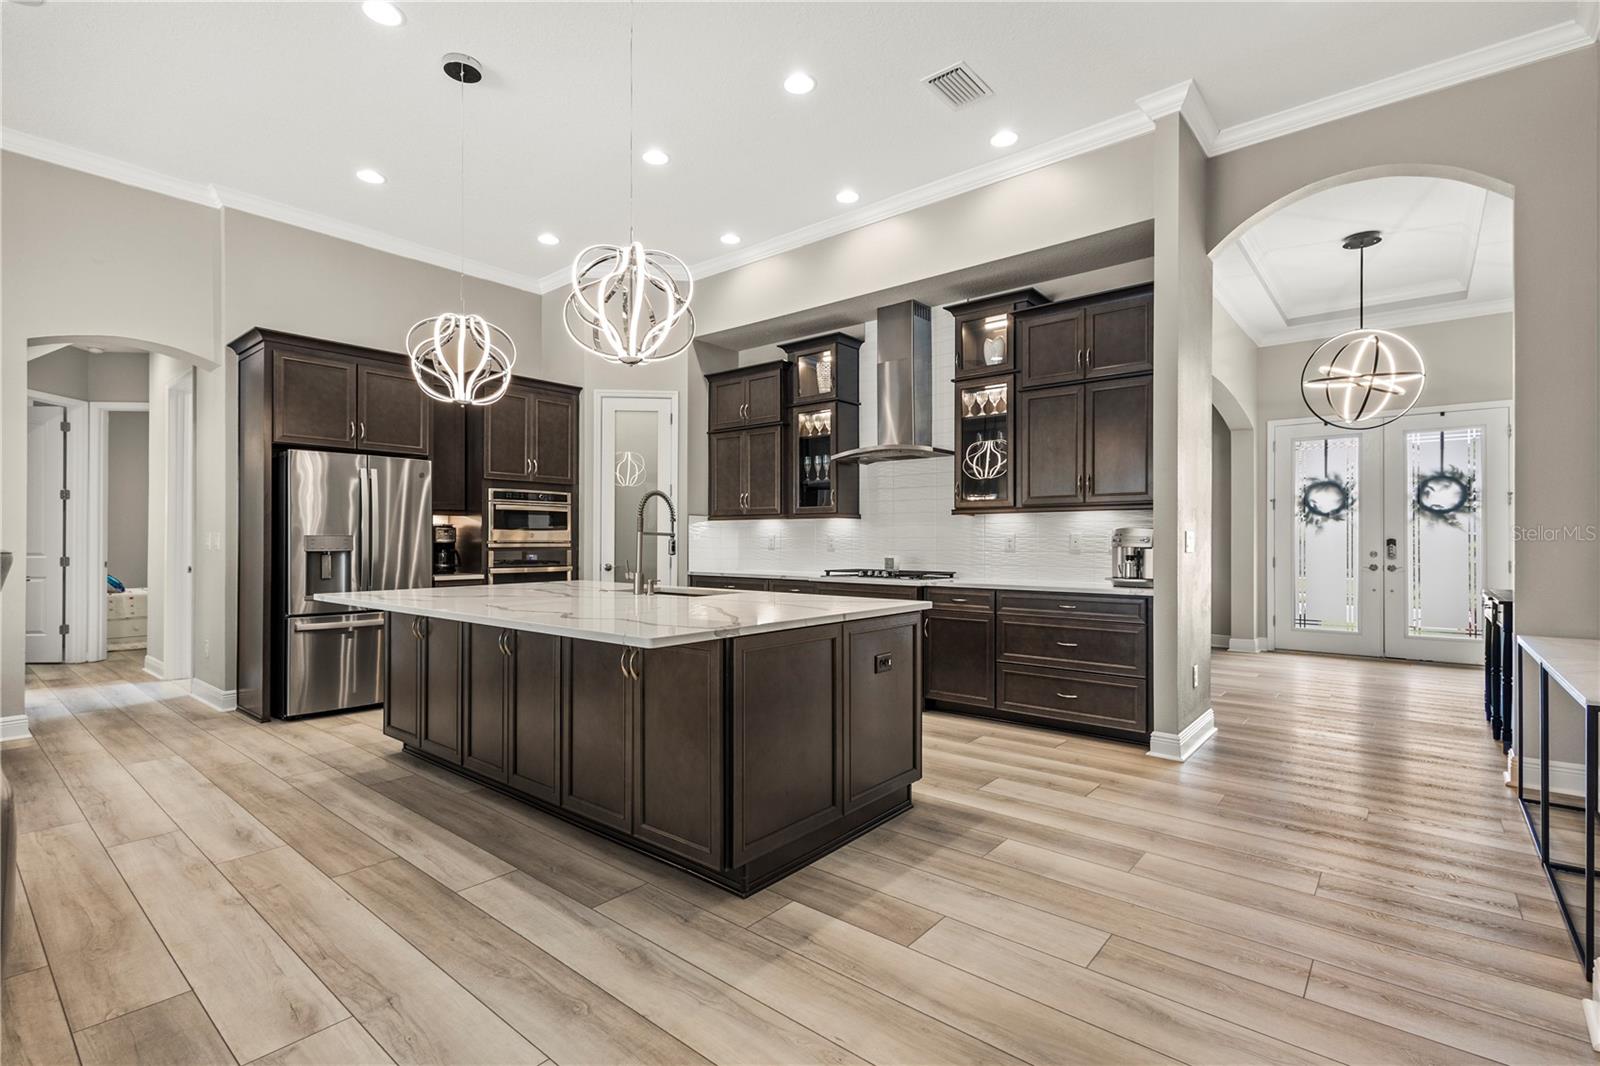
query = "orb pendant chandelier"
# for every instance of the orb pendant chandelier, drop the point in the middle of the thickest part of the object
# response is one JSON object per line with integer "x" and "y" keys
{"x": 628, "y": 302}
{"x": 457, "y": 357}
{"x": 1363, "y": 378}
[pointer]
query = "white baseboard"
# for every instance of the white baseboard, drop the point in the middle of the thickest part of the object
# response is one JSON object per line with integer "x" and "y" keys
{"x": 1179, "y": 746}
{"x": 1251, "y": 645}
{"x": 155, "y": 668}
{"x": 218, "y": 699}
{"x": 1566, "y": 778}
{"x": 13, "y": 727}
{"x": 1219, "y": 641}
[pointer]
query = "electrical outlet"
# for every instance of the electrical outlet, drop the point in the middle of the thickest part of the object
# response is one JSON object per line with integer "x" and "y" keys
{"x": 1011, "y": 542}
{"x": 1075, "y": 543}
{"x": 772, "y": 542}
{"x": 1188, "y": 542}
{"x": 830, "y": 544}
{"x": 1194, "y": 676}
{"x": 205, "y": 648}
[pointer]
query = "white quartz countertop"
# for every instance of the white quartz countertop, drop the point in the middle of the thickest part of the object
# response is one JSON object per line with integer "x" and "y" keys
{"x": 611, "y": 614}
{"x": 1042, "y": 584}
{"x": 1572, "y": 662}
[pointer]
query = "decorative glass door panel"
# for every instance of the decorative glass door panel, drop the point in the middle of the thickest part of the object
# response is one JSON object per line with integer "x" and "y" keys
{"x": 1328, "y": 586}
{"x": 814, "y": 445}
{"x": 637, "y": 453}
{"x": 983, "y": 460}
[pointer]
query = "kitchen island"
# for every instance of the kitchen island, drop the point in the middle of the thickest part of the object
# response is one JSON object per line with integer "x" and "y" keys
{"x": 738, "y": 735}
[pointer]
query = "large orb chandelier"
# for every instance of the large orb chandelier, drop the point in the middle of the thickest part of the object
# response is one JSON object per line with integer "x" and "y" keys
{"x": 1363, "y": 378}
{"x": 627, "y": 301}
{"x": 457, "y": 357}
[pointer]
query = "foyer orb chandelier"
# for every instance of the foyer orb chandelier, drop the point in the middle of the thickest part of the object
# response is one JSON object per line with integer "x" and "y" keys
{"x": 628, "y": 302}
{"x": 458, "y": 357}
{"x": 1363, "y": 378}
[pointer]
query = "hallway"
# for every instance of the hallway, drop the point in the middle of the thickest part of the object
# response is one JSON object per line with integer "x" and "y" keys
{"x": 1338, "y": 875}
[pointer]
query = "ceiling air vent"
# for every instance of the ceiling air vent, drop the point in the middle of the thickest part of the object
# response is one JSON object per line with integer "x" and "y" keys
{"x": 959, "y": 86}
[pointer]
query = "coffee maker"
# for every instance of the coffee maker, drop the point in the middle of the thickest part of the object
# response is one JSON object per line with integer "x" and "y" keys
{"x": 446, "y": 560}
{"x": 1131, "y": 550}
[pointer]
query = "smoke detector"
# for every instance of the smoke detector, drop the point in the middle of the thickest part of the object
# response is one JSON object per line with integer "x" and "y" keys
{"x": 959, "y": 86}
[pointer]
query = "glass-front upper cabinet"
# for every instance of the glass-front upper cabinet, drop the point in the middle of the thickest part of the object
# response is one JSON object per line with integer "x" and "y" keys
{"x": 984, "y": 342}
{"x": 985, "y": 425}
{"x": 825, "y": 368}
{"x": 820, "y": 487}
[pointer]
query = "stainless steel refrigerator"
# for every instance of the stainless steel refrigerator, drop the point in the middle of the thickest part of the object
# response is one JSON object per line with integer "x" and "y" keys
{"x": 353, "y": 523}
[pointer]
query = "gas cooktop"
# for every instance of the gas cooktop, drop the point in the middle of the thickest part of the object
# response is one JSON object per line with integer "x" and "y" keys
{"x": 896, "y": 574}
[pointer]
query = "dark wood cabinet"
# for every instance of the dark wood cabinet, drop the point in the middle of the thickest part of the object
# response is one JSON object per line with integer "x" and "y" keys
{"x": 1118, "y": 421}
{"x": 882, "y": 674}
{"x": 1119, "y": 336}
{"x": 744, "y": 584}
{"x": 530, "y": 434}
{"x": 986, "y": 452}
{"x": 490, "y": 697}
{"x": 314, "y": 399}
{"x": 788, "y": 757}
{"x": 1050, "y": 470}
{"x": 746, "y": 473}
{"x": 393, "y": 415}
{"x": 1113, "y": 705}
{"x": 959, "y": 656}
{"x": 818, "y": 487}
{"x": 538, "y": 688}
{"x": 1080, "y": 661}
{"x": 597, "y": 733}
{"x": 1109, "y": 335}
{"x": 440, "y": 732}
{"x": 824, "y": 368}
{"x": 986, "y": 332}
{"x": 748, "y": 397}
{"x": 404, "y": 678}
{"x": 678, "y": 780}
{"x": 452, "y": 493}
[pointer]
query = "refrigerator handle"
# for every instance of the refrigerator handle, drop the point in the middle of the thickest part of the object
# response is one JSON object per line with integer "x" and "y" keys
{"x": 364, "y": 572}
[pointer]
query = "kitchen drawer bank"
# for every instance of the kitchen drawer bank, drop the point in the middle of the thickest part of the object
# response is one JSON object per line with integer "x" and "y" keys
{"x": 739, "y": 757}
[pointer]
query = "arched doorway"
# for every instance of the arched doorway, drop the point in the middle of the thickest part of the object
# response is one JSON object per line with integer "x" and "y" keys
{"x": 1386, "y": 576}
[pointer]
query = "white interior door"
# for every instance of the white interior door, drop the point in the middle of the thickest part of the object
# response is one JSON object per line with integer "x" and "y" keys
{"x": 47, "y": 534}
{"x": 637, "y": 452}
{"x": 1447, "y": 525}
{"x": 1327, "y": 536}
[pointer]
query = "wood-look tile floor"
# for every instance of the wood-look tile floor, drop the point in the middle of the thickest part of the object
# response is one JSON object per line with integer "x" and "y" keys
{"x": 1338, "y": 877}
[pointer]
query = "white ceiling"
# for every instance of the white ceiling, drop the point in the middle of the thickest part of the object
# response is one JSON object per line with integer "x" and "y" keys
{"x": 276, "y": 105}
{"x": 1446, "y": 254}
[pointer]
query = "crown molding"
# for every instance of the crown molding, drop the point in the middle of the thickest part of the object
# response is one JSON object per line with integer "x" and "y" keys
{"x": 1418, "y": 316}
{"x": 1101, "y": 135}
{"x": 1183, "y": 98}
{"x": 220, "y": 197}
{"x": 1478, "y": 63}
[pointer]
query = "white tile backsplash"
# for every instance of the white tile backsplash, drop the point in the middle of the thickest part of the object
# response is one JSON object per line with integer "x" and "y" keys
{"x": 905, "y": 513}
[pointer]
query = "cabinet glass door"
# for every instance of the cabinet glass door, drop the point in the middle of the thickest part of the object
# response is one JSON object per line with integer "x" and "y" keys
{"x": 983, "y": 343}
{"x": 812, "y": 455}
{"x": 983, "y": 444}
{"x": 814, "y": 375}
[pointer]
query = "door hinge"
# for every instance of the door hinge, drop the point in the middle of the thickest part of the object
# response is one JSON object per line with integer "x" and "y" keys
{"x": 64, "y": 629}
{"x": 66, "y": 427}
{"x": 66, "y": 560}
{"x": 66, "y": 494}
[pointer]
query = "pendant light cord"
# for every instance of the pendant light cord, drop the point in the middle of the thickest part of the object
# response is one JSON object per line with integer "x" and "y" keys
{"x": 630, "y": 121}
{"x": 1361, "y": 291}
{"x": 461, "y": 280}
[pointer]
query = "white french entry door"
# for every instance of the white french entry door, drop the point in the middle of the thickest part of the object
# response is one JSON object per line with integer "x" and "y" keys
{"x": 1383, "y": 540}
{"x": 637, "y": 451}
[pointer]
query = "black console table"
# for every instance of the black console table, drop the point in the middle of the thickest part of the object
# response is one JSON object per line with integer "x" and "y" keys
{"x": 1573, "y": 664}
{"x": 1499, "y": 664}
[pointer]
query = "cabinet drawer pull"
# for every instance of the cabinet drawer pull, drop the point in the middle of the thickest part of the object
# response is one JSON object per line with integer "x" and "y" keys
{"x": 958, "y": 599}
{"x": 1065, "y": 644}
{"x": 1066, "y": 607}
{"x": 1066, "y": 696}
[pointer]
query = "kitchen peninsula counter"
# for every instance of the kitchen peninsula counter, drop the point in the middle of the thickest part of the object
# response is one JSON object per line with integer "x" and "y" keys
{"x": 737, "y": 735}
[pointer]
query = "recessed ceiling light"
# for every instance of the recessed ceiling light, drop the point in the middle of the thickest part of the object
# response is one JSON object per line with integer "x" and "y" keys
{"x": 799, "y": 83}
{"x": 655, "y": 157}
{"x": 730, "y": 238}
{"x": 382, "y": 12}
{"x": 847, "y": 196}
{"x": 1004, "y": 138}
{"x": 370, "y": 176}
{"x": 549, "y": 238}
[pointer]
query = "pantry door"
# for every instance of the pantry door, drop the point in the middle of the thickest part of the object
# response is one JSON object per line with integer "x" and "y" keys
{"x": 1447, "y": 530}
{"x": 1327, "y": 510}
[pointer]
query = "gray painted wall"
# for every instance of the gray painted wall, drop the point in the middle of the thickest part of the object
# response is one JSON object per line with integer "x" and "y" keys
{"x": 128, "y": 496}
{"x": 1221, "y": 527}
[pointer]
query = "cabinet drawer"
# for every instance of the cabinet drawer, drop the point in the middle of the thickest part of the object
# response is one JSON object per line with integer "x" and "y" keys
{"x": 779, "y": 585}
{"x": 1111, "y": 703}
{"x": 878, "y": 592}
{"x": 961, "y": 599}
{"x": 1111, "y": 647}
{"x": 742, "y": 584}
{"x": 1072, "y": 605}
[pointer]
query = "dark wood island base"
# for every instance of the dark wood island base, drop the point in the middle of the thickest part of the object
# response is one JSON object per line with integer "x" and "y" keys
{"x": 738, "y": 760}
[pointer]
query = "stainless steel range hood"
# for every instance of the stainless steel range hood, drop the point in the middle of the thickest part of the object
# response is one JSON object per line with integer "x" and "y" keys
{"x": 905, "y": 388}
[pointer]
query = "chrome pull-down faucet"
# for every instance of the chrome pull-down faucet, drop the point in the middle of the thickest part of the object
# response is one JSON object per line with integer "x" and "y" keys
{"x": 640, "y": 534}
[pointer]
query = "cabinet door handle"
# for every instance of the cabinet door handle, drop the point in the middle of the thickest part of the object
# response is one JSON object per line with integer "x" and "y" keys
{"x": 633, "y": 664}
{"x": 527, "y": 466}
{"x": 622, "y": 662}
{"x": 924, "y": 627}
{"x": 1064, "y": 644}
{"x": 1091, "y": 482}
{"x": 1065, "y": 696}
{"x": 361, "y": 430}
{"x": 536, "y": 464}
{"x": 1080, "y": 359}
{"x": 1080, "y": 484}
{"x": 352, "y": 429}
{"x": 1088, "y": 358}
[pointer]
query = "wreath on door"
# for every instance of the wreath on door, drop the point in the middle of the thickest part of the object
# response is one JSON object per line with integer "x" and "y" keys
{"x": 1325, "y": 499}
{"x": 1446, "y": 494}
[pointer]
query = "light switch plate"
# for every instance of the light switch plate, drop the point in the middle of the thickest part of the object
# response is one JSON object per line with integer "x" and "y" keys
{"x": 1011, "y": 542}
{"x": 1188, "y": 542}
{"x": 1075, "y": 543}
